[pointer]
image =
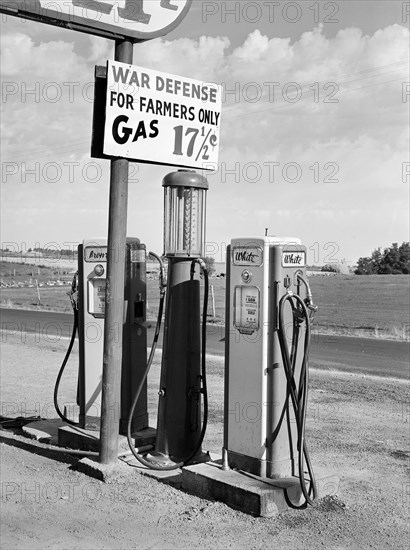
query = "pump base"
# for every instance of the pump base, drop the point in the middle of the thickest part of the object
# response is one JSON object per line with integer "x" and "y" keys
{"x": 162, "y": 460}
{"x": 262, "y": 468}
{"x": 90, "y": 423}
{"x": 250, "y": 494}
{"x": 200, "y": 458}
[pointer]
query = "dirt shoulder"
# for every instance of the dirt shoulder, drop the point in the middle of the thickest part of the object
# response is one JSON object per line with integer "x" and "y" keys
{"x": 357, "y": 434}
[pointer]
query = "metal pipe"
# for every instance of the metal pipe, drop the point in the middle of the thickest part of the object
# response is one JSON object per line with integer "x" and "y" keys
{"x": 114, "y": 302}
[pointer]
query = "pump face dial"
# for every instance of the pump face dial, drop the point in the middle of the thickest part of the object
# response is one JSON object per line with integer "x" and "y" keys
{"x": 99, "y": 270}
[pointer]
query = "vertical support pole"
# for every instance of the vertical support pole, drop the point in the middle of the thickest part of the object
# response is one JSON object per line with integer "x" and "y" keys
{"x": 114, "y": 297}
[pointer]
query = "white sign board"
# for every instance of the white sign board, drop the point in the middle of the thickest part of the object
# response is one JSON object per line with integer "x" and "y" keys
{"x": 161, "y": 118}
{"x": 135, "y": 19}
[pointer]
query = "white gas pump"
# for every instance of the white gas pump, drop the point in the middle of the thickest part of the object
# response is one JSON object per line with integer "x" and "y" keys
{"x": 92, "y": 269}
{"x": 268, "y": 317}
{"x": 89, "y": 307}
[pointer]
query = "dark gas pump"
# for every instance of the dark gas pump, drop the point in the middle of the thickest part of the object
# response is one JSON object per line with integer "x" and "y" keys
{"x": 180, "y": 426}
{"x": 88, "y": 302}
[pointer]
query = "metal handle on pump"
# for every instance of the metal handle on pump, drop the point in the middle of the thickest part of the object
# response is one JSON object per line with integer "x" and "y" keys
{"x": 309, "y": 298}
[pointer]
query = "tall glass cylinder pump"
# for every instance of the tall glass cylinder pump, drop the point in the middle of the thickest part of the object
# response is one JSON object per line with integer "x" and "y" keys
{"x": 184, "y": 220}
{"x": 179, "y": 426}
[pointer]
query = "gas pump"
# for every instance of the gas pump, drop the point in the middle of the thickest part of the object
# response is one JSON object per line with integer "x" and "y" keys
{"x": 88, "y": 300}
{"x": 269, "y": 310}
{"x": 181, "y": 427}
{"x": 180, "y": 430}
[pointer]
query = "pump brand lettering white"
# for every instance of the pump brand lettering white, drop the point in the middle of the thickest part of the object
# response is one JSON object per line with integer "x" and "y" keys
{"x": 293, "y": 259}
{"x": 248, "y": 255}
{"x": 245, "y": 257}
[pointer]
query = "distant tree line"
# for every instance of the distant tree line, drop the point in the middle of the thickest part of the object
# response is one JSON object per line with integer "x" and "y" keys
{"x": 45, "y": 251}
{"x": 53, "y": 251}
{"x": 331, "y": 268}
{"x": 394, "y": 260}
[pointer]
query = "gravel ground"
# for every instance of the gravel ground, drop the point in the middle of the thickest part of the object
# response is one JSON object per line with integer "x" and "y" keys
{"x": 357, "y": 434}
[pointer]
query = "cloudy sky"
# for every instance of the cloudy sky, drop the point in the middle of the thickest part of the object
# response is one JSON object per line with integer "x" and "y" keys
{"x": 314, "y": 133}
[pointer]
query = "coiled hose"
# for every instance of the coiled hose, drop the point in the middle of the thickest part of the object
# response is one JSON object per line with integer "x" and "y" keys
{"x": 74, "y": 305}
{"x": 298, "y": 395}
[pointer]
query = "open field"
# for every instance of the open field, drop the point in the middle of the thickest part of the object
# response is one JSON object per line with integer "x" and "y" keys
{"x": 374, "y": 306}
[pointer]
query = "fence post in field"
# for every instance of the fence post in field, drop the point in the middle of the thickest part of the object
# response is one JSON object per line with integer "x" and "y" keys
{"x": 38, "y": 293}
{"x": 213, "y": 301}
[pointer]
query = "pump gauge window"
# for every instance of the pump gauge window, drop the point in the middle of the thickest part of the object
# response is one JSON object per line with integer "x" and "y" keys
{"x": 246, "y": 309}
{"x": 184, "y": 222}
{"x": 96, "y": 297}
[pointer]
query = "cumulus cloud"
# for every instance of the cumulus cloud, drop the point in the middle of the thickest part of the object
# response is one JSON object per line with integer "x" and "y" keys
{"x": 21, "y": 56}
{"x": 203, "y": 59}
{"x": 332, "y": 106}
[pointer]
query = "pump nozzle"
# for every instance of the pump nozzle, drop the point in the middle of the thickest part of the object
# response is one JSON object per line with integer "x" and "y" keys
{"x": 201, "y": 263}
{"x": 309, "y": 298}
{"x": 73, "y": 293}
{"x": 162, "y": 281}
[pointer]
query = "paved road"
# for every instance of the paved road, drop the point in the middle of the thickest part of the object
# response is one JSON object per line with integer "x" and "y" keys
{"x": 367, "y": 356}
